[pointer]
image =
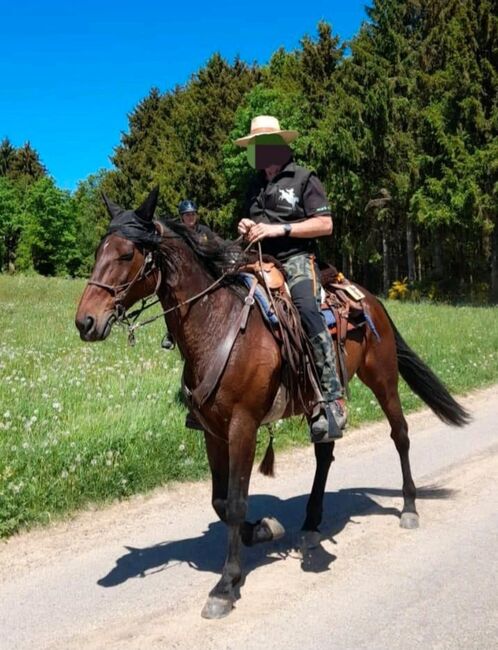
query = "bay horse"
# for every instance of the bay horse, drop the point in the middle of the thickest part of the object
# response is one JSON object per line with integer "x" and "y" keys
{"x": 139, "y": 257}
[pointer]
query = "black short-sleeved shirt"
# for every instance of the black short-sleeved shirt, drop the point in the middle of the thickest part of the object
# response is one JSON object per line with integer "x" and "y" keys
{"x": 293, "y": 195}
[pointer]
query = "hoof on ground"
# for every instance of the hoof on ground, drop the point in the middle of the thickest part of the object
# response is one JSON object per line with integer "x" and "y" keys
{"x": 309, "y": 540}
{"x": 274, "y": 526}
{"x": 217, "y": 607}
{"x": 409, "y": 520}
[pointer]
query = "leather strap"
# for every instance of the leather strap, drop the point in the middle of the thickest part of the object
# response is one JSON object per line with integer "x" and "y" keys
{"x": 218, "y": 364}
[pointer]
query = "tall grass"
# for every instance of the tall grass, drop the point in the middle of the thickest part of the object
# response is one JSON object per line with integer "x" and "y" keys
{"x": 83, "y": 423}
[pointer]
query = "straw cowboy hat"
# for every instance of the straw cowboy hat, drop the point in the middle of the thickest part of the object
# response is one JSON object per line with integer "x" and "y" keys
{"x": 266, "y": 125}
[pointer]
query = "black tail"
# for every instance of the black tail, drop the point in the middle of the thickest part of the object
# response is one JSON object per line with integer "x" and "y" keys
{"x": 426, "y": 385}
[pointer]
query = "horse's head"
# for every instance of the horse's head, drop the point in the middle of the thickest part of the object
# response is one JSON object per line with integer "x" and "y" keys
{"x": 125, "y": 269}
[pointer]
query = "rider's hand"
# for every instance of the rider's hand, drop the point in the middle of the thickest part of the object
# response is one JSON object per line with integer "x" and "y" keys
{"x": 262, "y": 230}
{"x": 245, "y": 226}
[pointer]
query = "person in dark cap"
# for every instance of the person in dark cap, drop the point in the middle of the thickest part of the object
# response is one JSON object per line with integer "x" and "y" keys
{"x": 189, "y": 216}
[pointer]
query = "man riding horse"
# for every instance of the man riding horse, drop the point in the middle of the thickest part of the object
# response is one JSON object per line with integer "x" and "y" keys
{"x": 287, "y": 209}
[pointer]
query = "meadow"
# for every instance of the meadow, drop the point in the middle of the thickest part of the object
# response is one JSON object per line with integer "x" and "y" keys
{"x": 83, "y": 423}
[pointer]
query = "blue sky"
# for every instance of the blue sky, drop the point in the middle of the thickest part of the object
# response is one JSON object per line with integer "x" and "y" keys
{"x": 72, "y": 71}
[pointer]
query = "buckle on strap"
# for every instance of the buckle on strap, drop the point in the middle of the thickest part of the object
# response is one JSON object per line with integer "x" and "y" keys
{"x": 248, "y": 303}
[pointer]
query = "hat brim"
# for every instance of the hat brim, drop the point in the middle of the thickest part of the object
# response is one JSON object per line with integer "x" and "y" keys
{"x": 287, "y": 136}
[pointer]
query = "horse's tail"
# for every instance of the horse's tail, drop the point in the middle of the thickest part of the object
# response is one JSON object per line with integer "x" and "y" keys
{"x": 425, "y": 384}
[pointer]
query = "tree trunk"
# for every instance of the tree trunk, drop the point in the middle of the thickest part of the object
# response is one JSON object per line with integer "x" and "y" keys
{"x": 385, "y": 260}
{"x": 494, "y": 264}
{"x": 419, "y": 260}
{"x": 410, "y": 252}
{"x": 438, "y": 258}
{"x": 345, "y": 257}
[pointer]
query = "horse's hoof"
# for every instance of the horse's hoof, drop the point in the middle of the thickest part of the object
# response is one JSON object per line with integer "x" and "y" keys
{"x": 217, "y": 607}
{"x": 275, "y": 527}
{"x": 409, "y": 520}
{"x": 309, "y": 540}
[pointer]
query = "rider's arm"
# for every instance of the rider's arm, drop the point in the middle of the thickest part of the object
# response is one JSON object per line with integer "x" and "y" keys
{"x": 314, "y": 226}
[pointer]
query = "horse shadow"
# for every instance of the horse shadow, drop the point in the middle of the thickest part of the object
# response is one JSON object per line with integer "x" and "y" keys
{"x": 207, "y": 551}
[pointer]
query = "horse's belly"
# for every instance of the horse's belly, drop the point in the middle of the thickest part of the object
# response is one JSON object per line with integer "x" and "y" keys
{"x": 278, "y": 407}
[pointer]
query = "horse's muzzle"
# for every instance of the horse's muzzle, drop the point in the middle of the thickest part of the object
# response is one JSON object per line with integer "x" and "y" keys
{"x": 91, "y": 330}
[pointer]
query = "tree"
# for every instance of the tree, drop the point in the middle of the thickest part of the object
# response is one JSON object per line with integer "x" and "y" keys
{"x": 27, "y": 163}
{"x": 7, "y": 157}
{"x": 48, "y": 242}
{"x": 11, "y": 223}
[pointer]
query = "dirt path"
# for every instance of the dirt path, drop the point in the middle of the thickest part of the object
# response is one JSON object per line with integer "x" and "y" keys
{"x": 136, "y": 575}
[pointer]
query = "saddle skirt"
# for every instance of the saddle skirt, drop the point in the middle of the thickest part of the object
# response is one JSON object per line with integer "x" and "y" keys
{"x": 342, "y": 302}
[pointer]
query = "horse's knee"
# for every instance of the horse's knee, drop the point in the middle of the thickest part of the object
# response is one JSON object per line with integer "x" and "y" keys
{"x": 219, "y": 506}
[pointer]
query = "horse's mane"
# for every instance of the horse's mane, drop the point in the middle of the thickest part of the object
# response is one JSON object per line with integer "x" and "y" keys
{"x": 217, "y": 256}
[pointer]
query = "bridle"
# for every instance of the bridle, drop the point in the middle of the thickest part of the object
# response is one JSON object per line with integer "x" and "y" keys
{"x": 120, "y": 291}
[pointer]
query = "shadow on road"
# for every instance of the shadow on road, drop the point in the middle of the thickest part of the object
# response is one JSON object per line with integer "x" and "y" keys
{"x": 207, "y": 552}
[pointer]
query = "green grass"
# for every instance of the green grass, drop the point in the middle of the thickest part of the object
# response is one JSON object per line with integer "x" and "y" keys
{"x": 87, "y": 423}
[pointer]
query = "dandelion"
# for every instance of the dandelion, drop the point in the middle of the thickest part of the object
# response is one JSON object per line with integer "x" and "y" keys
{"x": 64, "y": 474}
{"x": 6, "y": 415}
{"x": 57, "y": 406}
{"x": 181, "y": 447}
{"x": 93, "y": 462}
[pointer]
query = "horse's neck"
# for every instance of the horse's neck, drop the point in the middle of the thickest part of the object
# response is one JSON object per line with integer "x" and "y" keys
{"x": 199, "y": 325}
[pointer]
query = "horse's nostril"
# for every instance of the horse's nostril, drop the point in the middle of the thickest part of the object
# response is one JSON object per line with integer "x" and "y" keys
{"x": 85, "y": 324}
{"x": 88, "y": 324}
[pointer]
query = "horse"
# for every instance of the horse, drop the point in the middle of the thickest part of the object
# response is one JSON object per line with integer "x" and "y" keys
{"x": 139, "y": 257}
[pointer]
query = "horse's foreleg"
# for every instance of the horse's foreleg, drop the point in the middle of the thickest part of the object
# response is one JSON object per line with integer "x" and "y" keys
{"x": 241, "y": 448}
{"x": 217, "y": 453}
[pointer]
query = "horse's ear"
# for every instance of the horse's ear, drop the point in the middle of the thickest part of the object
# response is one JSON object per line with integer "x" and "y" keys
{"x": 146, "y": 210}
{"x": 113, "y": 208}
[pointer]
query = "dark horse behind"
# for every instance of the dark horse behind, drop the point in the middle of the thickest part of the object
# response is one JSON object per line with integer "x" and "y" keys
{"x": 139, "y": 257}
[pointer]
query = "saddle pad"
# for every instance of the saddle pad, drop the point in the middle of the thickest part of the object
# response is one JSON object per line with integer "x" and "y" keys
{"x": 261, "y": 299}
{"x": 329, "y": 317}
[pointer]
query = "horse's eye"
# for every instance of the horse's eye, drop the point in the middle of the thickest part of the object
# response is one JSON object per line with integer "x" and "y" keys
{"x": 126, "y": 257}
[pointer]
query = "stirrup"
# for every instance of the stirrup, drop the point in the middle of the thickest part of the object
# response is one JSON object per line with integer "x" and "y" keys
{"x": 323, "y": 427}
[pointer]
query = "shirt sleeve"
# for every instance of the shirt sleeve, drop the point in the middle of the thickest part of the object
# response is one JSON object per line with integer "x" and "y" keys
{"x": 315, "y": 200}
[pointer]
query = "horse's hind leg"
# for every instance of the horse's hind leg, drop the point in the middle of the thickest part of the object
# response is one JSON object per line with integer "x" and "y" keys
{"x": 242, "y": 436}
{"x": 385, "y": 387}
{"x": 310, "y": 535}
{"x": 324, "y": 455}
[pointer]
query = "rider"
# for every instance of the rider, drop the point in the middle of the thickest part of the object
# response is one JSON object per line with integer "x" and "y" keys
{"x": 189, "y": 216}
{"x": 287, "y": 209}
